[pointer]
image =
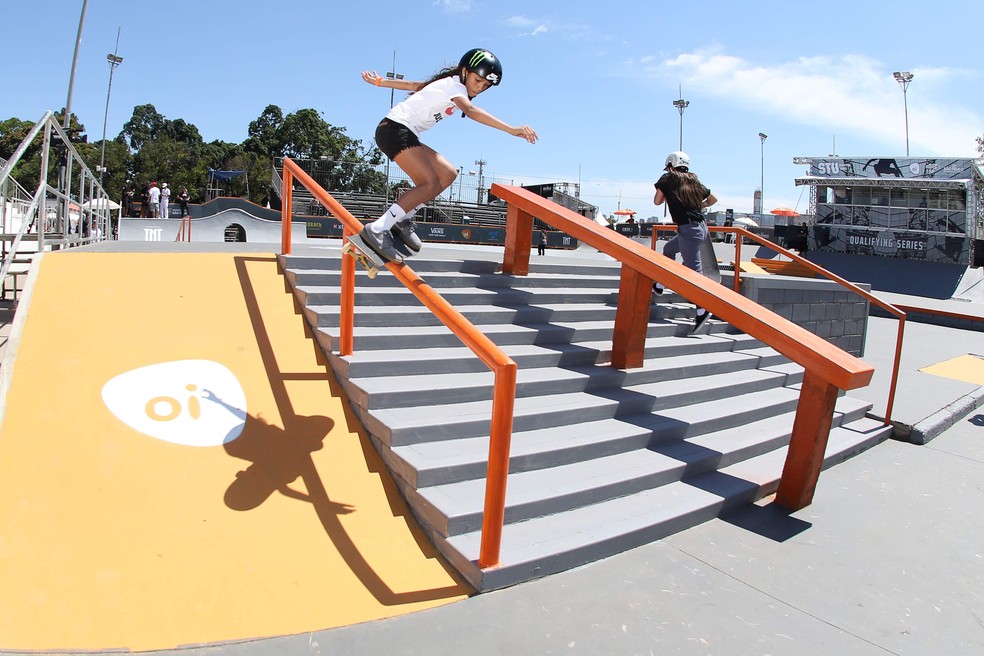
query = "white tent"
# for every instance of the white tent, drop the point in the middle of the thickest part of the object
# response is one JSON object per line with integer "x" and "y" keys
{"x": 100, "y": 203}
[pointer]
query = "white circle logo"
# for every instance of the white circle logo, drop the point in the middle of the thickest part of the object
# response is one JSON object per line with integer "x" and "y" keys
{"x": 189, "y": 402}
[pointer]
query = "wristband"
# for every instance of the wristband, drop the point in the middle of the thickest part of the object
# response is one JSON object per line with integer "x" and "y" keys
{"x": 378, "y": 80}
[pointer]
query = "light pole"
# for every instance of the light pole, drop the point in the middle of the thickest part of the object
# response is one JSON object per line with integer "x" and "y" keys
{"x": 391, "y": 75}
{"x": 65, "y": 170}
{"x": 75, "y": 63}
{"x": 903, "y": 78}
{"x": 681, "y": 105}
{"x": 114, "y": 61}
{"x": 762, "y": 136}
{"x": 481, "y": 178}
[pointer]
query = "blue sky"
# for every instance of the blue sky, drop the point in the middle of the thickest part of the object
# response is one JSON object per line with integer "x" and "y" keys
{"x": 595, "y": 79}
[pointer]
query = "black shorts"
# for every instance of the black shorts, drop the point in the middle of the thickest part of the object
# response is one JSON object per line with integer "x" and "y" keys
{"x": 393, "y": 138}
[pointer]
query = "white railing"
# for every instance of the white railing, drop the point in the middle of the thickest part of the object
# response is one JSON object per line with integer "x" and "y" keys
{"x": 74, "y": 211}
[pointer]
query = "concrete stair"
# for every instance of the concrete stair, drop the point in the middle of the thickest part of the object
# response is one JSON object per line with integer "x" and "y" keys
{"x": 602, "y": 459}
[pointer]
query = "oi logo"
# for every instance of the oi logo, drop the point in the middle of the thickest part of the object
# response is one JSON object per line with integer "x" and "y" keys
{"x": 189, "y": 402}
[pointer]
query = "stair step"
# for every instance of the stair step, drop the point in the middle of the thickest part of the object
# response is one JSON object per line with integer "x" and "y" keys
{"x": 714, "y": 432}
{"x": 550, "y": 544}
{"x": 425, "y": 389}
{"x": 397, "y": 426}
{"x": 460, "y": 359}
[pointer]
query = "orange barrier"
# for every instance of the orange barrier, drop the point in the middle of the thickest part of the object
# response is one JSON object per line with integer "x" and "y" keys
{"x": 503, "y": 367}
{"x": 827, "y": 368}
{"x": 806, "y": 264}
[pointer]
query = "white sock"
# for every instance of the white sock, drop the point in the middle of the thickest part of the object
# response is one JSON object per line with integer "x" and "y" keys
{"x": 411, "y": 213}
{"x": 701, "y": 312}
{"x": 390, "y": 218}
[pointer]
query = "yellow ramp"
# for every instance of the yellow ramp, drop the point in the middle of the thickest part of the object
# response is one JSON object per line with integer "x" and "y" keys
{"x": 178, "y": 466}
{"x": 968, "y": 368}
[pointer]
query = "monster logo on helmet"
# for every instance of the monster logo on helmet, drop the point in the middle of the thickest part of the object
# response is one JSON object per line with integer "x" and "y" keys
{"x": 483, "y": 63}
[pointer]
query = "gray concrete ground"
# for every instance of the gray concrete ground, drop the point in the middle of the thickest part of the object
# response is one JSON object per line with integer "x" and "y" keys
{"x": 887, "y": 560}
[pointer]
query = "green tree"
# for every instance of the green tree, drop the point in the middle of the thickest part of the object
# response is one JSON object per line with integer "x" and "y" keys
{"x": 27, "y": 172}
{"x": 145, "y": 125}
{"x": 264, "y": 133}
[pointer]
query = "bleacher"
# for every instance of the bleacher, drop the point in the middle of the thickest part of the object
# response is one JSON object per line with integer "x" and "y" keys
{"x": 370, "y": 206}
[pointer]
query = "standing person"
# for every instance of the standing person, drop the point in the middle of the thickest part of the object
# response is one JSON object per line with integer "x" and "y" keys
{"x": 397, "y": 135}
{"x": 128, "y": 199}
{"x": 541, "y": 247}
{"x": 154, "y": 201}
{"x": 183, "y": 199}
{"x": 687, "y": 197}
{"x": 145, "y": 202}
{"x": 165, "y": 199}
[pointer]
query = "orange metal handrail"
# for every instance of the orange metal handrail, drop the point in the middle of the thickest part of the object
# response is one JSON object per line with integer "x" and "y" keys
{"x": 184, "y": 230}
{"x": 871, "y": 298}
{"x": 826, "y": 367}
{"x": 503, "y": 367}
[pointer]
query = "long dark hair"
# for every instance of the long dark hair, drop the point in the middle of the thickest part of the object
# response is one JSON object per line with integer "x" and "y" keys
{"x": 451, "y": 71}
{"x": 685, "y": 187}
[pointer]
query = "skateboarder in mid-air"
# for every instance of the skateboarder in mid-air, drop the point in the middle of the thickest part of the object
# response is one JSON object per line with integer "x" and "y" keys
{"x": 397, "y": 135}
{"x": 687, "y": 198}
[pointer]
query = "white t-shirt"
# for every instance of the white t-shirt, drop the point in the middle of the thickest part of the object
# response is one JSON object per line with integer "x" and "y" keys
{"x": 424, "y": 108}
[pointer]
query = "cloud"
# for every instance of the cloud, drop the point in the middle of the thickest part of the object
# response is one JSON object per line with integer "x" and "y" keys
{"x": 454, "y": 6}
{"x": 533, "y": 27}
{"x": 838, "y": 93}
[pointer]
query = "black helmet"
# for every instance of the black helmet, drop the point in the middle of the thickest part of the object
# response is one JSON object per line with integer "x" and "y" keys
{"x": 484, "y": 63}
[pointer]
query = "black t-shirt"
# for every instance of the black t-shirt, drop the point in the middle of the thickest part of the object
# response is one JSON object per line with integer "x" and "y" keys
{"x": 678, "y": 211}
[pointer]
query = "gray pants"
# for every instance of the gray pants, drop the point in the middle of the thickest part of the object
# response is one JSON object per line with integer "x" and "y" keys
{"x": 687, "y": 243}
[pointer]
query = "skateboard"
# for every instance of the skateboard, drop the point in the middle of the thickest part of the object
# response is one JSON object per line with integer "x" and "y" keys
{"x": 708, "y": 261}
{"x": 357, "y": 249}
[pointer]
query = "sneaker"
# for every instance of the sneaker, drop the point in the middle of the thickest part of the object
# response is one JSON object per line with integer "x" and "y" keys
{"x": 699, "y": 322}
{"x": 406, "y": 231}
{"x": 382, "y": 244}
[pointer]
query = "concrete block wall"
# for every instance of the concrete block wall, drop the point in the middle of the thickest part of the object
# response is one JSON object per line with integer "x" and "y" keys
{"x": 821, "y": 306}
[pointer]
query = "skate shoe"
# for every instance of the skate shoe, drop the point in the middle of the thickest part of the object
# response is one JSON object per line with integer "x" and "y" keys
{"x": 381, "y": 244}
{"x": 699, "y": 322}
{"x": 406, "y": 231}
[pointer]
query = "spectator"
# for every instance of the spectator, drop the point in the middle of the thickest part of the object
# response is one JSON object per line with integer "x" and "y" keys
{"x": 183, "y": 198}
{"x": 165, "y": 200}
{"x": 153, "y": 201}
{"x": 128, "y": 199}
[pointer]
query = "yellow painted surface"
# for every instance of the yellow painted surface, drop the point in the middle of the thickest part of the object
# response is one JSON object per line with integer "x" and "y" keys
{"x": 750, "y": 267}
{"x": 113, "y": 539}
{"x": 968, "y": 368}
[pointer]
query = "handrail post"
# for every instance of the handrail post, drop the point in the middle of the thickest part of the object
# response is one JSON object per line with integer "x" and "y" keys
{"x": 500, "y": 437}
{"x": 895, "y": 371}
{"x": 346, "y": 308}
{"x": 808, "y": 442}
{"x": 519, "y": 241}
{"x": 635, "y": 293}
{"x": 738, "y": 240}
{"x": 286, "y": 211}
